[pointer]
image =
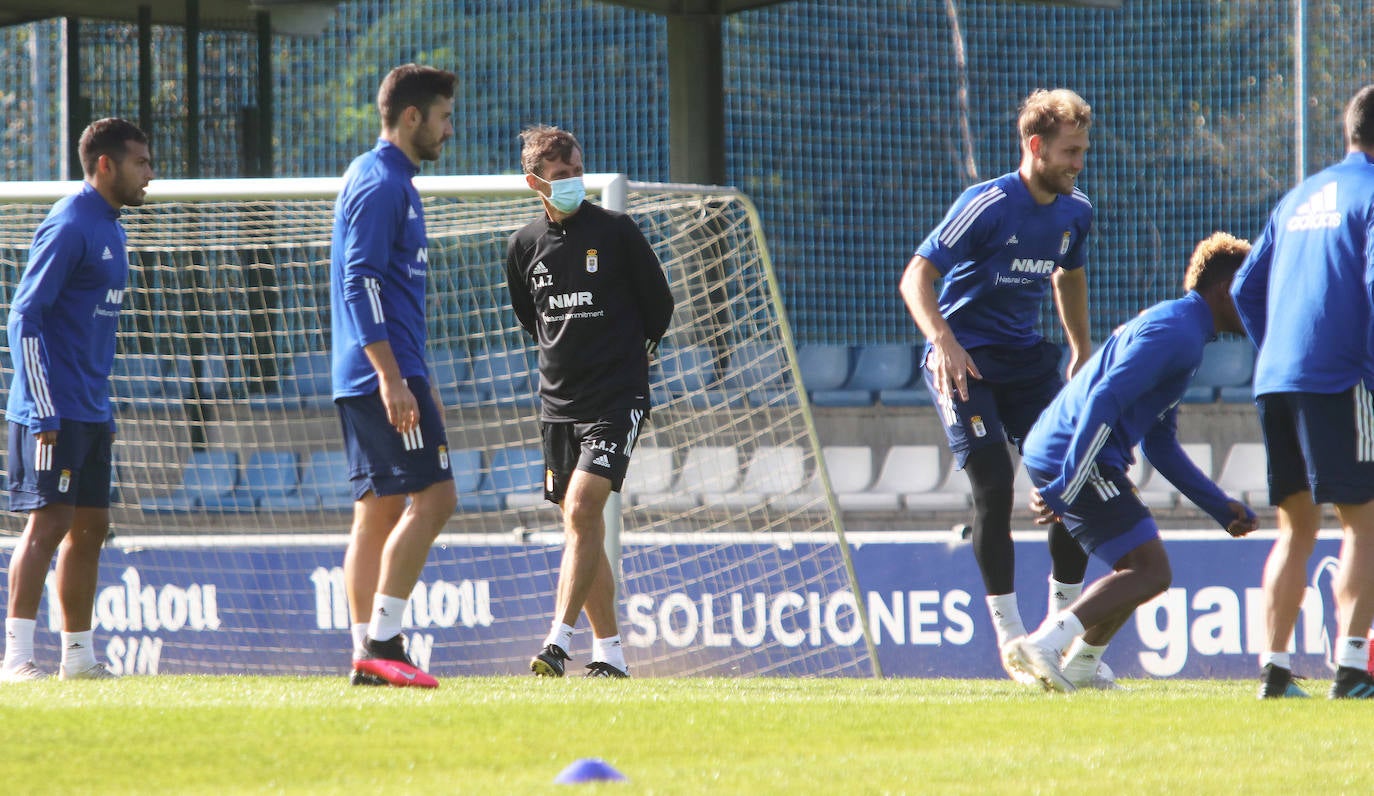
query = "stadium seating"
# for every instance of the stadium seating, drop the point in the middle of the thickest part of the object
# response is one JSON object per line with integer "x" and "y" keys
{"x": 705, "y": 469}
{"x": 952, "y": 493}
{"x": 1155, "y": 490}
{"x": 850, "y": 468}
{"x": 451, "y": 374}
{"x": 517, "y": 475}
{"x": 324, "y": 486}
{"x": 470, "y": 481}
{"x": 758, "y": 372}
{"x": 304, "y": 383}
{"x": 876, "y": 368}
{"x": 269, "y": 473}
{"x": 507, "y": 377}
{"x": 906, "y": 468}
{"x": 690, "y": 370}
{"x": 148, "y": 380}
{"x": 823, "y": 367}
{"x": 651, "y": 470}
{"x": 1224, "y": 374}
{"x": 1245, "y": 473}
{"x": 207, "y": 484}
{"x": 771, "y": 471}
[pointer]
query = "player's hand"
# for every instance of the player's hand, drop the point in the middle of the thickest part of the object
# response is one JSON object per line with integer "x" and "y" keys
{"x": 1044, "y": 515}
{"x": 950, "y": 366}
{"x": 1244, "y": 520}
{"x": 402, "y": 410}
{"x": 47, "y": 437}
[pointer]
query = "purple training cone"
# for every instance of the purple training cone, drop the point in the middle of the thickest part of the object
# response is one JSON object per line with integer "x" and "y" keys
{"x": 588, "y": 769}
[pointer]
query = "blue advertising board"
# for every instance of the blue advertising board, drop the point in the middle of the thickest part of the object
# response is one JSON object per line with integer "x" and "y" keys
{"x": 691, "y": 605}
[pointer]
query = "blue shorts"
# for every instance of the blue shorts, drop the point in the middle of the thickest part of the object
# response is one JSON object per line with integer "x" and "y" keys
{"x": 74, "y": 472}
{"x": 1017, "y": 385}
{"x": 383, "y": 462}
{"x": 1322, "y": 442}
{"x": 601, "y": 447}
{"x": 1107, "y": 518}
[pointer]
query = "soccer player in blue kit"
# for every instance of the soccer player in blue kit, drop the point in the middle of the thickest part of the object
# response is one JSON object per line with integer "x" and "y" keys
{"x": 62, "y": 326}
{"x": 393, "y": 423}
{"x": 1078, "y": 452}
{"x": 998, "y": 249}
{"x": 1304, "y": 296}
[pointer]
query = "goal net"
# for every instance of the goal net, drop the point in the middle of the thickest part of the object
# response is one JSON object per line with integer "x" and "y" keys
{"x": 231, "y": 502}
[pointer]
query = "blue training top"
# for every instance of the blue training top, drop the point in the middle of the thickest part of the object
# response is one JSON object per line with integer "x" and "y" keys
{"x": 1128, "y": 394}
{"x": 378, "y": 263}
{"x": 1304, "y": 291}
{"x": 996, "y": 249}
{"x": 65, "y": 315}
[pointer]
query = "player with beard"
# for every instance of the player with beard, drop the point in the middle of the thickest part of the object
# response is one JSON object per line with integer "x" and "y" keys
{"x": 998, "y": 250}
{"x": 62, "y": 326}
{"x": 393, "y": 421}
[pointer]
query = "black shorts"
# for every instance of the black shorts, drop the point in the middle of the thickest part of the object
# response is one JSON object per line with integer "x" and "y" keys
{"x": 601, "y": 447}
{"x": 1320, "y": 442}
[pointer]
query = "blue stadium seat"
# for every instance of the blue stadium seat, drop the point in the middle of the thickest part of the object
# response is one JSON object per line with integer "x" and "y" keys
{"x": 888, "y": 366}
{"x": 517, "y": 471}
{"x": 310, "y": 380}
{"x": 452, "y": 375}
{"x": 759, "y": 372}
{"x": 147, "y": 380}
{"x": 823, "y": 366}
{"x": 207, "y": 484}
{"x": 690, "y": 371}
{"x": 269, "y": 474}
{"x": 509, "y": 378}
{"x": 475, "y": 492}
{"x": 1226, "y": 365}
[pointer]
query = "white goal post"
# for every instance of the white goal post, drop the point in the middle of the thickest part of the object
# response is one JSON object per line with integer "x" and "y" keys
{"x": 226, "y": 463}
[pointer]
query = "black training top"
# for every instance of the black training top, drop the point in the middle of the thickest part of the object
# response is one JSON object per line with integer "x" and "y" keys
{"x": 591, "y": 291}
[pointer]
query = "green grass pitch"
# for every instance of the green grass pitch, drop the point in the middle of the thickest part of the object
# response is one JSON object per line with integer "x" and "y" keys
{"x": 497, "y": 735}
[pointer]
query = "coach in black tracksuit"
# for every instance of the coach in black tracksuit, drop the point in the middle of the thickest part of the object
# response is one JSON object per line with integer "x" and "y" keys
{"x": 587, "y": 286}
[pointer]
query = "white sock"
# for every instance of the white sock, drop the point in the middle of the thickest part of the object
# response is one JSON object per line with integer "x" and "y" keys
{"x": 78, "y": 652}
{"x": 386, "y": 617}
{"x": 609, "y": 651}
{"x": 1062, "y": 595}
{"x": 1080, "y": 662}
{"x": 1279, "y": 659}
{"x": 561, "y": 635}
{"x": 1006, "y": 617}
{"x": 1352, "y": 651}
{"x": 1057, "y": 631}
{"x": 359, "y": 631}
{"x": 18, "y": 642}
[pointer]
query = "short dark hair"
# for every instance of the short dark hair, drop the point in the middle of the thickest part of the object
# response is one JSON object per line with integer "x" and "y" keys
{"x": 107, "y": 137}
{"x": 1359, "y": 118}
{"x": 412, "y": 85}
{"x": 1215, "y": 260}
{"x": 545, "y": 142}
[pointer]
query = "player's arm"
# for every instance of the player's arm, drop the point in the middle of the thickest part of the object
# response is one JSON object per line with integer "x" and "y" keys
{"x": 520, "y": 299}
{"x": 949, "y": 364}
{"x": 374, "y": 215}
{"x": 55, "y": 253}
{"x": 651, "y": 289}
{"x": 1071, "y": 299}
{"x": 1250, "y": 287}
{"x": 1165, "y": 454}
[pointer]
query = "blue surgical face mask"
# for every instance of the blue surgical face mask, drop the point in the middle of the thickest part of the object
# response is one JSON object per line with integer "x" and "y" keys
{"x": 565, "y": 195}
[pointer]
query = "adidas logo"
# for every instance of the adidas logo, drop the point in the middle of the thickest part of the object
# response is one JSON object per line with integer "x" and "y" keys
{"x": 1357, "y": 643}
{"x": 539, "y": 268}
{"x": 602, "y": 461}
{"x": 107, "y": 254}
{"x": 1318, "y": 212}
{"x": 1059, "y": 595}
{"x": 382, "y": 611}
{"x": 1013, "y": 240}
{"x": 410, "y": 213}
{"x": 75, "y": 645}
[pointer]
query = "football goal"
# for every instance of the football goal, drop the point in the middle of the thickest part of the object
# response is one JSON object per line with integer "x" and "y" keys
{"x": 231, "y": 502}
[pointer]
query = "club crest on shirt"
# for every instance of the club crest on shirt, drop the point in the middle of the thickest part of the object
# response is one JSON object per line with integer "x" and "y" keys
{"x": 591, "y": 261}
{"x": 1064, "y": 243}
